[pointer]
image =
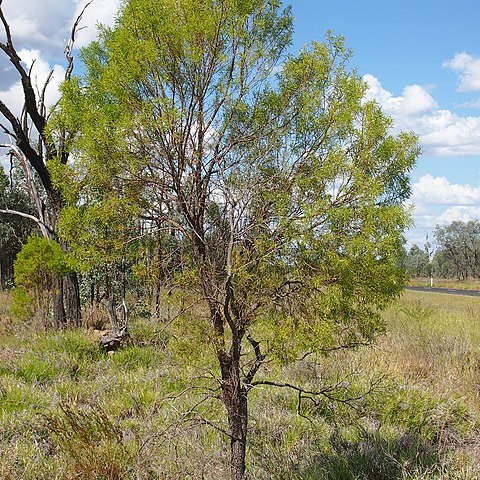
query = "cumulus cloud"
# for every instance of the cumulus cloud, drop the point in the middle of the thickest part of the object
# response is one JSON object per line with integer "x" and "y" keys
{"x": 458, "y": 213}
{"x": 441, "y": 132}
{"x": 468, "y": 67}
{"x": 99, "y": 12}
{"x": 439, "y": 191}
{"x": 47, "y": 24}
{"x": 37, "y": 24}
{"x": 40, "y": 30}
{"x": 426, "y": 218}
{"x": 436, "y": 201}
{"x": 415, "y": 99}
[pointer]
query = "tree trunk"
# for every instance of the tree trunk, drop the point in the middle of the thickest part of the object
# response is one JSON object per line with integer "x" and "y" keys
{"x": 71, "y": 298}
{"x": 235, "y": 400}
{"x": 58, "y": 306}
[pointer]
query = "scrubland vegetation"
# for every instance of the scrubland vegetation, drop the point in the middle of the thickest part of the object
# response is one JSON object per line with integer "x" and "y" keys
{"x": 236, "y": 213}
{"x": 151, "y": 410}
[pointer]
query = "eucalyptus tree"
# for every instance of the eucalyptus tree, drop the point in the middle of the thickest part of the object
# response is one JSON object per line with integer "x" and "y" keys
{"x": 417, "y": 261}
{"x": 459, "y": 243}
{"x": 281, "y": 183}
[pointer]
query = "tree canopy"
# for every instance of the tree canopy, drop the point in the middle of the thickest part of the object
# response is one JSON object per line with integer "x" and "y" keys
{"x": 281, "y": 186}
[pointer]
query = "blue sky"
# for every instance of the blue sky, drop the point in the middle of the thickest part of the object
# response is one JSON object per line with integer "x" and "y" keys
{"x": 421, "y": 60}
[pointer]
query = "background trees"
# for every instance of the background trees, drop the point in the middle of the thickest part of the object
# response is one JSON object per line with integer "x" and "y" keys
{"x": 279, "y": 185}
{"x": 458, "y": 251}
{"x": 417, "y": 262}
{"x": 14, "y": 230}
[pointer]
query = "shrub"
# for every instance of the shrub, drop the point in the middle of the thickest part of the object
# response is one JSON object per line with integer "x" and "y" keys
{"x": 37, "y": 270}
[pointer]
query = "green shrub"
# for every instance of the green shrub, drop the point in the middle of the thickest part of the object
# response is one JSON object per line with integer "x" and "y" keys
{"x": 37, "y": 270}
{"x": 22, "y": 305}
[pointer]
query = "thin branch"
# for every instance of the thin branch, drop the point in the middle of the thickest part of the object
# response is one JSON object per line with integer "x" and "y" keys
{"x": 8, "y": 211}
{"x": 326, "y": 392}
{"x": 259, "y": 359}
{"x": 7, "y": 132}
{"x": 71, "y": 41}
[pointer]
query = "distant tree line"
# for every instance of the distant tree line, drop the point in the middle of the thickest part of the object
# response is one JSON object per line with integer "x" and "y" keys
{"x": 456, "y": 254}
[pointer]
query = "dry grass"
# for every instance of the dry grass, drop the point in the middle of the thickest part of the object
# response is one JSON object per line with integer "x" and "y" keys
{"x": 433, "y": 341}
{"x": 146, "y": 412}
{"x": 470, "y": 284}
{"x": 4, "y": 305}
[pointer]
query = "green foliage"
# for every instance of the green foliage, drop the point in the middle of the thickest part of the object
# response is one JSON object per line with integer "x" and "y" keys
{"x": 319, "y": 191}
{"x": 417, "y": 262}
{"x": 38, "y": 268}
{"x": 38, "y": 262}
{"x": 22, "y": 306}
{"x": 458, "y": 249}
{"x": 282, "y": 188}
{"x": 14, "y": 230}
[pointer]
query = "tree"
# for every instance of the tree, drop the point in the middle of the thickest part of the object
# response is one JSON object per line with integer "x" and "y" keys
{"x": 460, "y": 244}
{"x": 33, "y": 152}
{"x": 37, "y": 268}
{"x": 417, "y": 261}
{"x": 281, "y": 184}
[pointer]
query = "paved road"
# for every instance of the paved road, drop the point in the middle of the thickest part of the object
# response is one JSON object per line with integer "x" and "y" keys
{"x": 451, "y": 291}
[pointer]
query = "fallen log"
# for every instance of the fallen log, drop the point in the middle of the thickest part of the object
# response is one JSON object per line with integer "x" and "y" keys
{"x": 111, "y": 340}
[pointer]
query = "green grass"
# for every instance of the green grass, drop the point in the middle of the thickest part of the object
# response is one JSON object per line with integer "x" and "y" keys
{"x": 150, "y": 411}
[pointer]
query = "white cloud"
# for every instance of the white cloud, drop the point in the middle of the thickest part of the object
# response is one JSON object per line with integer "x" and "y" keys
{"x": 40, "y": 31}
{"x": 47, "y": 24}
{"x": 468, "y": 67}
{"x": 436, "y": 201}
{"x": 439, "y": 191}
{"x": 471, "y": 104}
{"x": 459, "y": 213}
{"x": 447, "y": 134}
{"x": 441, "y": 132}
{"x": 99, "y": 12}
{"x": 13, "y": 96}
{"x": 38, "y": 24}
{"x": 414, "y": 101}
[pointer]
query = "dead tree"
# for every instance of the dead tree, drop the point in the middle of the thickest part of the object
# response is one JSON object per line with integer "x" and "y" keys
{"x": 32, "y": 146}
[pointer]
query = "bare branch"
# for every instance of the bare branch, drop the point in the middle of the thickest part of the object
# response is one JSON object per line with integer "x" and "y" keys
{"x": 71, "y": 41}
{"x": 327, "y": 392}
{"x": 259, "y": 359}
{"x": 43, "y": 227}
